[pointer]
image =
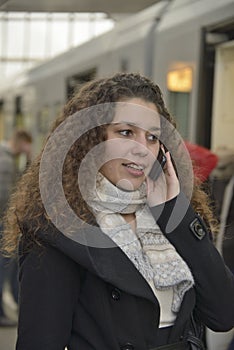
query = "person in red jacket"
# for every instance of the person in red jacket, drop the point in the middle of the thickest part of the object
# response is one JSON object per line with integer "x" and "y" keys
{"x": 204, "y": 160}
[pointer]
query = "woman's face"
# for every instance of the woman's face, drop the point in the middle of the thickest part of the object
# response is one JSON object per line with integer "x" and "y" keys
{"x": 132, "y": 143}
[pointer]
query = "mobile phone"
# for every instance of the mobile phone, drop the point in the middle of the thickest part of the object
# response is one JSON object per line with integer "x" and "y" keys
{"x": 158, "y": 165}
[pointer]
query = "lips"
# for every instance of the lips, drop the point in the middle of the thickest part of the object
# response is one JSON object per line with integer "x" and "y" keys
{"x": 135, "y": 166}
{"x": 136, "y": 170}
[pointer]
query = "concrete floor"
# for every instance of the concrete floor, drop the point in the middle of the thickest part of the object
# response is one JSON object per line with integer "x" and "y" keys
{"x": 8, "y": 335}
{"x": 7, "y": 338}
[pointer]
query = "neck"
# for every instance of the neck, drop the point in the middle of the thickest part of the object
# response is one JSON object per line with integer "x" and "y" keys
{"x": 130, "y": 219}
{"x": 114, "y": 200}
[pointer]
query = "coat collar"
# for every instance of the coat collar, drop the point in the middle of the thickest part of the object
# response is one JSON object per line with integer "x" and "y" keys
{"x": 110, "y": 264}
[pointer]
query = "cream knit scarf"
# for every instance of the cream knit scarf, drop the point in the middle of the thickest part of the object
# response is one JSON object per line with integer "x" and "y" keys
{"x": 148, "y": 249}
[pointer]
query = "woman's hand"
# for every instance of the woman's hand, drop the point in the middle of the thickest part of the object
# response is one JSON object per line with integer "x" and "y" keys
{"x": 165, "y": 187}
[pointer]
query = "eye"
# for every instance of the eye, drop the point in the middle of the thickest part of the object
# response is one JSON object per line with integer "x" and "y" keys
{"x": 126, "y": 132}
{"x": 152, "y": 138}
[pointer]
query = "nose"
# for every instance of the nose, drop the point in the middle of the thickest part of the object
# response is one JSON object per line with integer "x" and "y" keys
{"x": 139, "y": 147}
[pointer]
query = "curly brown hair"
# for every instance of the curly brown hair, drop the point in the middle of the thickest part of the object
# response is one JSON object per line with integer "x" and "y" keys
{"x": 26, "y": 205}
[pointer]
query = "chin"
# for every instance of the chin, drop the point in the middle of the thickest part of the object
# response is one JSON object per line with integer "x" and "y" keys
{"x": 129, "y": 185}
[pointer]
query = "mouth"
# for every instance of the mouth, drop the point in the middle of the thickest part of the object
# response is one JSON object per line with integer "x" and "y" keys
{"x": 135, "y": 169}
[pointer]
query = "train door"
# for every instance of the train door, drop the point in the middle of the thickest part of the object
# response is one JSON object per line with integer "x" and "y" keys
{"x": 212, "y": 38}
{"x": 75, "y": 81}
{"x": 1, "y": 119}
{"x": 223, "y": 102}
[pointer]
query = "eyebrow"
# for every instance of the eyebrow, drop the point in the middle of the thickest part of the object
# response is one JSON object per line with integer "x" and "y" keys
{"x": 154, "y": 128}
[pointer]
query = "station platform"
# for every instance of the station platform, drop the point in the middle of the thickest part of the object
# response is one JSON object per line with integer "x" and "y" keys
{"x": 8, "y": 334}
{"x": 8, "y": 338}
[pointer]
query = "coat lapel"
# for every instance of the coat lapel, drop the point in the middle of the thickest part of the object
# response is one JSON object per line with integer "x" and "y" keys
{"x": 95, "y": 251}
{"x": 113, "y": 266}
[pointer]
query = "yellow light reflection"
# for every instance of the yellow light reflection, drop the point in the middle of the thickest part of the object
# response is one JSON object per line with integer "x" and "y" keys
{"x": 180, "y": 80}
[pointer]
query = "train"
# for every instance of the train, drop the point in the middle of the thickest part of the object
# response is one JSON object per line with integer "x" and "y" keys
{"x": 185, "y": 46}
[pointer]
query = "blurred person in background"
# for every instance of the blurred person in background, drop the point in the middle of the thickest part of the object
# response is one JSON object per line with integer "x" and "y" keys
{"x": 204, "y": 160}
{"x": 19, "y": 143}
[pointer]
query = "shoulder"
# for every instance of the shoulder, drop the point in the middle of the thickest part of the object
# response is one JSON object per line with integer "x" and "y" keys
{"x": 46, "y": 263}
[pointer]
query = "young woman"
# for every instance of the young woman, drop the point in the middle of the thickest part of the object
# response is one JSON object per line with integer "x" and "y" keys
{"x": 110, "y": 256}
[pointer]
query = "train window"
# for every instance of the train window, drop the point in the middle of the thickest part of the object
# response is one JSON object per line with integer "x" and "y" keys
{"x": 1, "y": 119}
{"x": 18, "y": 113}
{"x": 179, "y": 84}
{"x": 18, "y": 105}
{"x": 57, "y": 109}
{"x": 124, "y": 65}
{"x": 42, "y": 126}
{"x": 43, "y": 120}
{"x": 179, "y": 107}
{"x": 75, "y": 81}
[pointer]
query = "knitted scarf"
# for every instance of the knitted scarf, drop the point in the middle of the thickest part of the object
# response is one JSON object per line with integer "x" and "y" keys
{"x": 147, "y": 248}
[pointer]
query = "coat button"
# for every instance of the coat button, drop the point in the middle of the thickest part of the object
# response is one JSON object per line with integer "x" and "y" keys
{"x": 115, "y": 294}
{"x": 127, "y": 346}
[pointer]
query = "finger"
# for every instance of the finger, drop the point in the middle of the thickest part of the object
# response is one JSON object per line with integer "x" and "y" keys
{"x": 172, "y": 179}
{"x": 169, "y": 168}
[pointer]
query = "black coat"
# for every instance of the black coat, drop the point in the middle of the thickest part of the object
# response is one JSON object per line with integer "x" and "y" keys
{"x": 90, "y": 298}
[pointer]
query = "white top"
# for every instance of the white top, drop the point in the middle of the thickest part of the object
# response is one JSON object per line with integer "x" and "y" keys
{"x": 165, "y": 297}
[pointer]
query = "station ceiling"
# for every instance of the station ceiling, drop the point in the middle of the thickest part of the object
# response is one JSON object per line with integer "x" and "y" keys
{"x": 107, "y": 6}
